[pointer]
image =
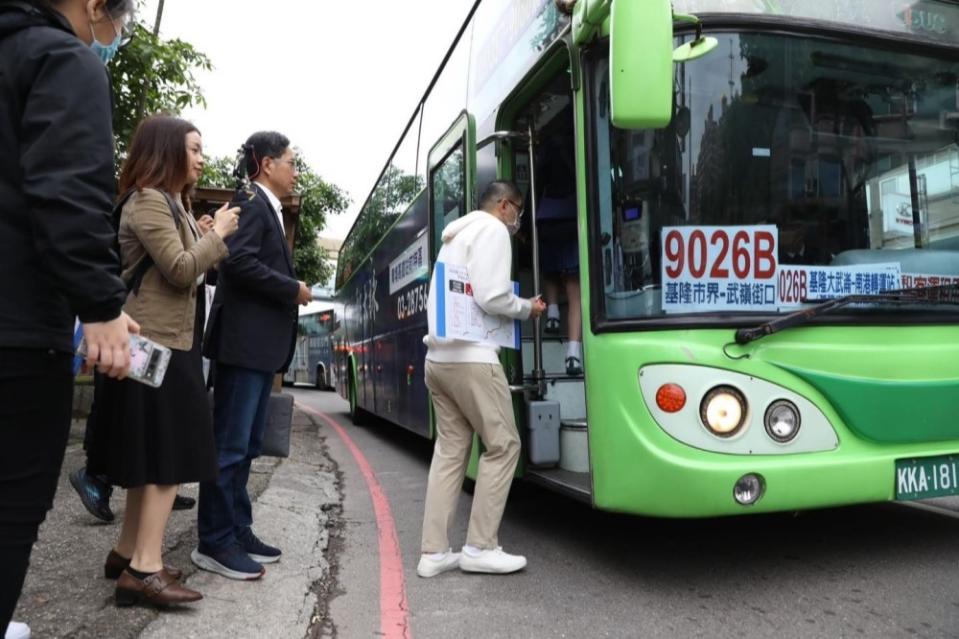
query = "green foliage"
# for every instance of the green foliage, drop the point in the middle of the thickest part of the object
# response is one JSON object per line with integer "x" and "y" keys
{"x": 218, "y": 173}
{"x": 319, "y": 199}
{"x": 152, "y": 75}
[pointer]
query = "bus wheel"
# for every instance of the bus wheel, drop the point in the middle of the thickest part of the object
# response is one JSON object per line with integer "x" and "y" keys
{"x": 320, "y": 379}
{"x": 356, "y": 413}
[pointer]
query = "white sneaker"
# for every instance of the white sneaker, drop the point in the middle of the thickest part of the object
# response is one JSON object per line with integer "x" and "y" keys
{"x": 432, "y": 565}
{"x": 17, "y": 630}
{"x": 491, "y": 561}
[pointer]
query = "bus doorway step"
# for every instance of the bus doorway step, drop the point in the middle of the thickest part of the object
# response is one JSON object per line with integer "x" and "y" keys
{"x": 552, "y": 378}
{"x": 575, "y": 485}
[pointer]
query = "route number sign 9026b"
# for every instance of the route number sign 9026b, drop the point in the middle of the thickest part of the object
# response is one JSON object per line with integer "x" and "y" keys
{"x": 719, "y": 268}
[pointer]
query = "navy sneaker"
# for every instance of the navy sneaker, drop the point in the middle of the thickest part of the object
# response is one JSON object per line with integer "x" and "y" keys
{"x": 256, "y": 549}
{"x": 231, "y": 562}
{"x": 182, "y": 502}
{"x": 94, "y": 493}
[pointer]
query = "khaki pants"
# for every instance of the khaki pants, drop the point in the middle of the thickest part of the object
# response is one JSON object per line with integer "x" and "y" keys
{"x": 469, "y": 398}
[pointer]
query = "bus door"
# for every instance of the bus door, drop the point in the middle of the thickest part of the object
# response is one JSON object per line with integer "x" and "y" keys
{"x": 542, "y": 161}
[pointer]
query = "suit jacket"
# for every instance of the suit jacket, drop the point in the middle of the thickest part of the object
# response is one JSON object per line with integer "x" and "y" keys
{"x": 253, "y": 319}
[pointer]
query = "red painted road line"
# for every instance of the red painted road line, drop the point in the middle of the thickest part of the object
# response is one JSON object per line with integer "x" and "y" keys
{"x": 394, "y": 609}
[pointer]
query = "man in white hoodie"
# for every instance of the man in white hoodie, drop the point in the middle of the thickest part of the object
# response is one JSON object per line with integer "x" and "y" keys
{"x": 470, "y": 393}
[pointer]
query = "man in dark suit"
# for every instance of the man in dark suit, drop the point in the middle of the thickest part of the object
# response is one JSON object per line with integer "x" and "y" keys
{"x": 250, "y": 334}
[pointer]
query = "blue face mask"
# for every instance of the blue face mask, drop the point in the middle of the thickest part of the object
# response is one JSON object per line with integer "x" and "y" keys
{"x": 106, "y": 52}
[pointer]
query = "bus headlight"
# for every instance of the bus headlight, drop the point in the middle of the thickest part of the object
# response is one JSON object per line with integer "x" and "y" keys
{"x": 782, "y": 421}
{"x": 723, "y": 411}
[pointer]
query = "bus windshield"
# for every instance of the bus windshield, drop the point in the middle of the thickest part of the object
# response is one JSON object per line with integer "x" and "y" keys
{"x": 316, "y": 323}
{"x": 795, "y": 169}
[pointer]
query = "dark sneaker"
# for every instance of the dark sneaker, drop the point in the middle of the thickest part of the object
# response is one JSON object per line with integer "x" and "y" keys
{"x": 256, "y": 549}
{"x": 552, "y": 326}
{"x": 232, "y": 562}
{"x": 94, "y": 494}
{"x": 182, "y": 502}
{"x": 574, "y": 367}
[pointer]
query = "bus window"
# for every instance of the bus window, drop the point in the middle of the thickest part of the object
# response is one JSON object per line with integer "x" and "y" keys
{"x": 448, "y": 192}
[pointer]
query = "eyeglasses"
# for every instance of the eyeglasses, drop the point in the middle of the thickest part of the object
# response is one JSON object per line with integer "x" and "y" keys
{"x": 126, "y": 29}
{"x": 519, "y": 207}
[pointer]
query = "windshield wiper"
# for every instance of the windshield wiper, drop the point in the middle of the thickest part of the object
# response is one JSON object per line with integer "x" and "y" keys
{"x": 948, "y": 294}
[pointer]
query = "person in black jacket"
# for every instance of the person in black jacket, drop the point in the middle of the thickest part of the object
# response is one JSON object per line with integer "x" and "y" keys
{"x": 250, "y": 335}
{"x": 57, "y": 249}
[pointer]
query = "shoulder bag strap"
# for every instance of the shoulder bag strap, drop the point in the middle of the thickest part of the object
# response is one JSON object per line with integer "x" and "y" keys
{"x": 136, "y": 278}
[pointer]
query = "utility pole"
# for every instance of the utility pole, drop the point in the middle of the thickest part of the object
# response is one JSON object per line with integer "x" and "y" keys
{"x": 142, "y": 104}
{"x": 156, "y": 25}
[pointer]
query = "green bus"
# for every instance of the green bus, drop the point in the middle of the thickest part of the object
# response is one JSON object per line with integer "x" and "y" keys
{"x": 763, "y": 201}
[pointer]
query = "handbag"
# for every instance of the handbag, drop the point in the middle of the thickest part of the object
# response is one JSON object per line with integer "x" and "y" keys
{"x": 279, "y": 423}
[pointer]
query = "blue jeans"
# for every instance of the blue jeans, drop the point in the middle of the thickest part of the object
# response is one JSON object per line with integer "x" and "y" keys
{"x": 240, "y": 403}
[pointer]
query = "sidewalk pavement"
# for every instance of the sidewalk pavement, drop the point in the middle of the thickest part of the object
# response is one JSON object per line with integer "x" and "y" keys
{"x": 298, "y": 506}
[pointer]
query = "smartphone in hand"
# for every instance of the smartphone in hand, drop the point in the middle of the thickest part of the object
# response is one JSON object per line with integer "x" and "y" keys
{"x": 148, "y": 360}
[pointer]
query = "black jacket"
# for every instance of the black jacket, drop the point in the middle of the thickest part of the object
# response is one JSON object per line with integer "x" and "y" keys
{"x": 58, "y": 254}
{"x": 253, "y": 319}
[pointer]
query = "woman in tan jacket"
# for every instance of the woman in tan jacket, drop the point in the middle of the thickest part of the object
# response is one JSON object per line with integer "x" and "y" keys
{"x": 149, "y": 440}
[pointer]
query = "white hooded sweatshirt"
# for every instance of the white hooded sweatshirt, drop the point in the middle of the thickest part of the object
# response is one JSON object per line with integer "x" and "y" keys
{"x": 481, "y": 243}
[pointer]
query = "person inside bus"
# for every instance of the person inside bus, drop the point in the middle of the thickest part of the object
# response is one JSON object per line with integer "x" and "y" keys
{"x": 57, "y": 256}
{"x": 250, "y": 336}
{"x": 793, "y": 247}
{"x": 150, "y": 440}
{"x": 559, "y": 251}
{"x": 471, "y": 395}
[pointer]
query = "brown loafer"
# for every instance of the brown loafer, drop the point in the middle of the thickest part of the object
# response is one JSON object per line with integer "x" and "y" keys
{"x": 159, "y": 589}
{"x": 117, "y": 563}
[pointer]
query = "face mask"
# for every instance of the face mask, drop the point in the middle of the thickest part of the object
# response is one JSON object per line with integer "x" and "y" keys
{"x": 106, "y": 52}
{"x": 513, "y": 227}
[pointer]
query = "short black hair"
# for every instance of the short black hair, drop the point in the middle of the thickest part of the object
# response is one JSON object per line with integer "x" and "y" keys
{"x": 263, "y": 144}
{"x": 116, "y": 8}
{"x": 499, "y": 190}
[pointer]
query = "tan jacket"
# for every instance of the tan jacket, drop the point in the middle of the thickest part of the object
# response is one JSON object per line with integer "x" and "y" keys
{"x": 165, "y": 306}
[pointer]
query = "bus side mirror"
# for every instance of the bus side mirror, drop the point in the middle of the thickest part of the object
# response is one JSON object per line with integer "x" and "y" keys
{"x": 641, "y": 58}
{"x": 641, "y": 63}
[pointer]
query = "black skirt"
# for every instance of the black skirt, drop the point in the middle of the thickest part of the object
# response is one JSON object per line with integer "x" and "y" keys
{"x": 164, "y": 436}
